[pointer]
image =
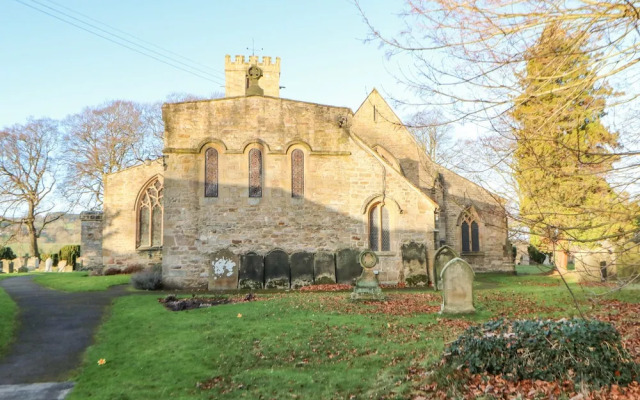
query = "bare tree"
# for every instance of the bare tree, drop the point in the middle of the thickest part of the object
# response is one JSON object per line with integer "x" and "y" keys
{"x": 472, "y": 58}
{"x": 108, "y": 139}
{"x": 28, "y": 177}
{"x": 434, "y": 136}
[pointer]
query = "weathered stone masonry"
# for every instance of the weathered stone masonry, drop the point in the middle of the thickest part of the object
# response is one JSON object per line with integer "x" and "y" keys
{"x": 353, "y": 163}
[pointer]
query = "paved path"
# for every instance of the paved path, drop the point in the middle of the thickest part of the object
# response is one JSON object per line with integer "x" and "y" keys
{"x": 54, "y": 330}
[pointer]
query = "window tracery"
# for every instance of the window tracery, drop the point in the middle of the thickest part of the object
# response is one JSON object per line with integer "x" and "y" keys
{"x": 150, "y": 215}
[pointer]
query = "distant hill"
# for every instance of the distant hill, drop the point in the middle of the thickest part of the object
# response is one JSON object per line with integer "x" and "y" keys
{"x": 65, "y": 230}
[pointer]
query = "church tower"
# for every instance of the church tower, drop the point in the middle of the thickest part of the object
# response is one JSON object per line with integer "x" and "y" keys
{"x": 237, "y": 81}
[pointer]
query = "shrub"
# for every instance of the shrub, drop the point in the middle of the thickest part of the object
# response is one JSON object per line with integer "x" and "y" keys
{"x": 587, "y": 351}
{"x": 23, "y": 270}
{"x": 149, "y": 279}
{"x": 132, "y": 269}
{"x": 7, "y": 254}
{"x": 112, "y": 271}
{"x": 535, "y": 255}
{"x": 69, "y": 253}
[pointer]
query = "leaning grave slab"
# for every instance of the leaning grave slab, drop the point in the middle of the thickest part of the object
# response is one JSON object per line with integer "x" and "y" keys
{"x": 457, "y": 287}
{"x": 251, "y": 274}
{"x": 301, "y": 269}
{"x": 443, "y": 255}
{"x": 324, "y": 268}
{"x": 223, "y": 270}
{"x": 347, "y": 266}
{"x": 277, "y": 273}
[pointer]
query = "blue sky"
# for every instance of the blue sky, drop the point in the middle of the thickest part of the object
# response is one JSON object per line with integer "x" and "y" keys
{"x": 52, "y": 69}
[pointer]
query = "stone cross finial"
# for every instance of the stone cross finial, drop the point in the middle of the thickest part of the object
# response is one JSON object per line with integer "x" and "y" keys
{"x": 254, "y": 73}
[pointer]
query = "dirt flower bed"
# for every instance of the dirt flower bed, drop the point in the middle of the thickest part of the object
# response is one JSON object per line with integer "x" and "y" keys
{"x": 171, "y": 302}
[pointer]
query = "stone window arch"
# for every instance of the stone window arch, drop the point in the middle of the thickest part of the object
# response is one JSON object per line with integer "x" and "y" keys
{"x": 149, "y": 212}
{"x": 297, "y": 174}
{"x": 379, "y": 232}
{"x": 469, "y": 232}
{"x": 211, "y": 173}
{"x": 255, "y": 173}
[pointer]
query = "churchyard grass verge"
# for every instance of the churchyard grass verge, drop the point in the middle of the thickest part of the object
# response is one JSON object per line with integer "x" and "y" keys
{"x": 79, "y": 281}
{"x": 8, "y": 321}
{"x": 297, "y": 345}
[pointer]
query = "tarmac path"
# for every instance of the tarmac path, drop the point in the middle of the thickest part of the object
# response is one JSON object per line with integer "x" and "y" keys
{"x": 54, "y": 330}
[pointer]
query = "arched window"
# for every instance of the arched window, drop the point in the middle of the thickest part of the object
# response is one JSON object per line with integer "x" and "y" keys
{"x": 297, "y": 174}
{"x": 255, "y": 173}
{"x": 150, "y": 211}
{"x": 470, "y": 234}
{"x": 379, "y": 233}
{"x": 211, "y": 173}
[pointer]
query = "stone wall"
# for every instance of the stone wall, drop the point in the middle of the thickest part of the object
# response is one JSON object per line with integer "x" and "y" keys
{"x": 377, "y": 125}
{"x": 119, "y": 219}
{"x": 343, "y": 178}
{"x": 91, "y": 238}
{"x": 236, "y": 70}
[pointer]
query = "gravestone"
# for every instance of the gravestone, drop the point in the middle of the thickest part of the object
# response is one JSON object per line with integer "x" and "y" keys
{"x": 367, "y": 285}
{"x": 301, "y": 269}
{"x": 324, "y": 268}
{"x": 277, "y": 273}
{"x": 223, "y": 270}
{"x": 347, "y": 267}
{"x": 443, "y": 255}
{"x": 33, "y": 263}
{"x": 546, "y": 261}
{"x": 11, "y": 267}
{"x": 62, "y": 265}
{"x": 457, "y": 287}
{"x": 1, "y": 267}
{"x": 414, "y": 264}
{"x": 48, "y": 265}
{"x": 251, "y": 274}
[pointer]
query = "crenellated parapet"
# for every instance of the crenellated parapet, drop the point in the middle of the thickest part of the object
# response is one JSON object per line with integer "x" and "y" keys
{"x": 236, "y": 75}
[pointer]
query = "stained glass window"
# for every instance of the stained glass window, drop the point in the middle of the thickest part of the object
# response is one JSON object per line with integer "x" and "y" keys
{"x": 255, "y": 173}
{"x": 150, "y": 213}
{"x": 211, "y": 173}
{"x": 465, "y": 236}
{"x": 297, "y": 174}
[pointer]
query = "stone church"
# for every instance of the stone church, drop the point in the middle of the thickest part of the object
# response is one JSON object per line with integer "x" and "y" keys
{"x": 291, "y": 188}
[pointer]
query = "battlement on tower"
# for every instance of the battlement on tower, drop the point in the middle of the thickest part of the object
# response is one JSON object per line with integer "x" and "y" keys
{"x": 235, "y": 72}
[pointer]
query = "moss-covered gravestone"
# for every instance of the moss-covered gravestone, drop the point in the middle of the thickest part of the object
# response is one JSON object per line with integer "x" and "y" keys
{"x": 277, "y": 273}
{"x": 324, "y": 268}
{"x": 414, "y": 264}
{"x": 457, "y": 287}
{"x": 223, "y": 270}
{"x": 347, "y": 267}
{"x": 251, "y": 274}
{"x": 367, "y": 285}
{"x": 443, "y": 255}
{"x": 301, "y": 269}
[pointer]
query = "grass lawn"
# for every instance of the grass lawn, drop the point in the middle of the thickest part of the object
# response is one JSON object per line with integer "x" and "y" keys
{"x": 8, "y": 310}
{"x": 296, "y": 345}
{"x": 79, "y": 281}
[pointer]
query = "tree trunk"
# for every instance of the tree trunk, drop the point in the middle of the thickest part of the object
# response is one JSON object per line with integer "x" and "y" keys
{"x": 33, "y": 235}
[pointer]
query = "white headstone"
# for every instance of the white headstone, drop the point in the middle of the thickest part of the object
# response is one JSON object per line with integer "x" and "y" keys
{"x": 457, "y": 287}
{"x": 48, "y": 265}
{"x": 546, "y": 261}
